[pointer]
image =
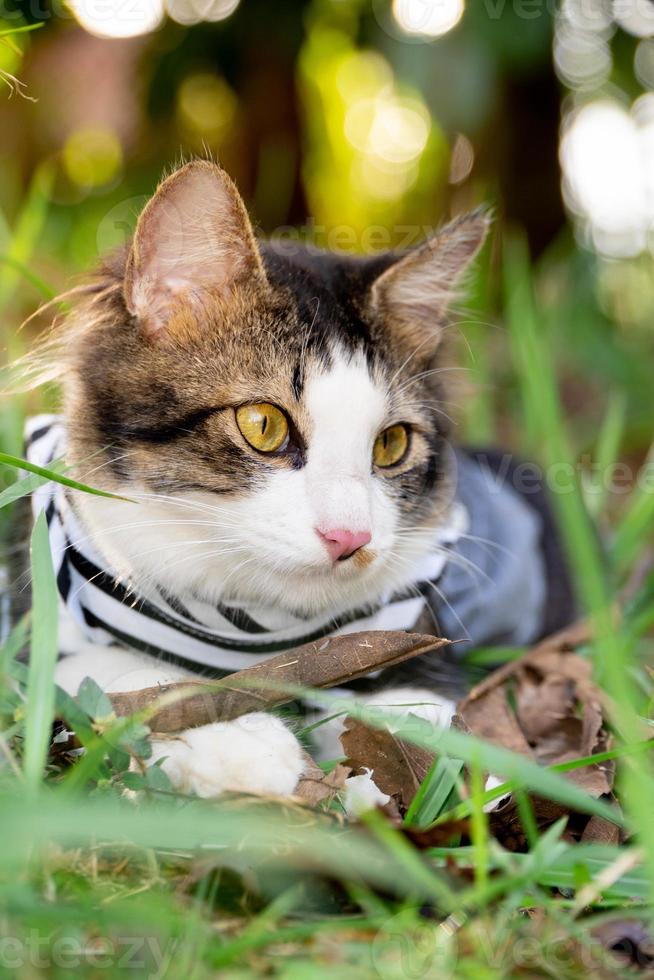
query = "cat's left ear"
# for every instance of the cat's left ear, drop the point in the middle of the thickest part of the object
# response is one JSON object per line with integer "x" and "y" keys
{"x": 414, "y": 294}
{"x": 193, "y": 237}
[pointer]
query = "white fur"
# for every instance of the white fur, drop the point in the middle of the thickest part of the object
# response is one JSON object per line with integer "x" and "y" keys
{"x": 418, "y": 701}
{"x": 260, "y": 547}
{"x": 253, "y": 754}
{"x": 363, "y": 794}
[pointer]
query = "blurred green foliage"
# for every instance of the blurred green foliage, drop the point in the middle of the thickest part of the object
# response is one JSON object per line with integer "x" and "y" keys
{"x": 341, "y": 128}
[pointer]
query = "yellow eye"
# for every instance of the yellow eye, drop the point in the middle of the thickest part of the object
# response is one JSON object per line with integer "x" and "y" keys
{"x": 391, "y": 445}
{"x": 264, "y": 426}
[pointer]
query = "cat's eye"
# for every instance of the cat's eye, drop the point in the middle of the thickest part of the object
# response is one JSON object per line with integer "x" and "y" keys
{"x": 264, "y": 426}
{"x": 391, "y": 445}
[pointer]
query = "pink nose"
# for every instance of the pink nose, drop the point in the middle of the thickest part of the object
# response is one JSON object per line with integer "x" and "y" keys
{"x": 341, "y": 543}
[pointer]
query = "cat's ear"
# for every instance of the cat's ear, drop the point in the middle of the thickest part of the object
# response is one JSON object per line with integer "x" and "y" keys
{"x": 192, "y": 237}
{"x": 414, "y": 293}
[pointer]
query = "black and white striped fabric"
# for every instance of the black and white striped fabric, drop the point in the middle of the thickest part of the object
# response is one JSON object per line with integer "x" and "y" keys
{"x": 215, "y": 639}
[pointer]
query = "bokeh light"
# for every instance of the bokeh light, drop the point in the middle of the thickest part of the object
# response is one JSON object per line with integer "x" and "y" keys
{"x": 363, "y": 72}
{"x": 635, "y": 16}
{"x": 462, "y": 159}
{"x": 377, "y": 181}
{"x": 581, "y": 50}
{"x": 92, "y": 157}
{"x": 189, "y": 12}
{"x": 644, "y": 63}
{"x": 582, "y": 59}
{"x": 595, "y": 16}
{"x": 607, "y": 157}
{"x": 393, "y": 129}
{"x": 373, "y": 141}
{"x": 206, "y": 107}
{"x": 428, "y": 18}
{"x": 115, "y": 18}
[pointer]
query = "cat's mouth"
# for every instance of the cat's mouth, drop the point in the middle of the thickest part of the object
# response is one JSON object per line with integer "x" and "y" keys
{"x": 347, "y": 566}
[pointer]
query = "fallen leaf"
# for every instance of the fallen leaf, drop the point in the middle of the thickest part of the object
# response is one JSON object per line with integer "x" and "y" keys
{"x": 490, "y": 717}
{"x": 600, "y": 831}
{"x": 546, "y": 707}
{"x": 316, "y": 786}
{"x": 440, "y": 835}
{"x": 398, "y": 767}
{"x": 328, "y": 662}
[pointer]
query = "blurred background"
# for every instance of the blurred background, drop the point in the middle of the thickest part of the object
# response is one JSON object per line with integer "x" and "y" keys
{"x": 360, "y": 124}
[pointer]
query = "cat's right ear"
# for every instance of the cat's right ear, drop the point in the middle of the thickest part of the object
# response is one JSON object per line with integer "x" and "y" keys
{"x": 193, "y": 237}
{"x": 414, "y": 294}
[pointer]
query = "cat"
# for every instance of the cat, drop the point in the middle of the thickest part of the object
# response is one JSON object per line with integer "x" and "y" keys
{"x": 276, "y": 419}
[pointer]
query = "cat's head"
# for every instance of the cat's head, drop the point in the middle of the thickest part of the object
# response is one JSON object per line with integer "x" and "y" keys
{"x": 279, "y": 414}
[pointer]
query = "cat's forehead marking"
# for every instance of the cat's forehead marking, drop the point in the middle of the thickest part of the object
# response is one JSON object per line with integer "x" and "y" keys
{"x": 345, "y": 380}
{"x": 346, "y": 408}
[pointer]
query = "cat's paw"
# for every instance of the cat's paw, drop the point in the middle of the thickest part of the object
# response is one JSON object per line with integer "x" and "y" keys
{"x": 253, "y": 754}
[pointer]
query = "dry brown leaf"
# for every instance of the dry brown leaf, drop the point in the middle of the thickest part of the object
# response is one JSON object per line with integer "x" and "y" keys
{"x": 490, "y": 717}
{"x": 326, "y": 662}
{"x": 564, "y": 642}
{"x": 315, "y": 786}
{"x": 398, "y": 767}
{"x": 438, "y": 836}
{"x": 600, "y": 831}
{"x": 506, "y": 825}
{"x": 545, "y": 706}
{"x": 558, "y": 713}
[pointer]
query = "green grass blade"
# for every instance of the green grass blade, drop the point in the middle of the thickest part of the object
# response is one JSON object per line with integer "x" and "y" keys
{"x": 40, "y": 703}
{"x": 560, "y": 867}
{"x": 27, "y": 231}
{"x": 14, "y": 644}
{"x": 21, "y": 30}
{"x": 51, "y": 474}
{"x": 464, "y": 809}
{"x": 611, "y": 649}
{"x": 39, "y": 284}
{"x": 27, "y": 484}
{"x": 261, "y": 831}
{"x": 479, "y": 834}
{"x": 637, "y": 526}
{"x": 541, "y": 401}
{"x": 609, "y": 441}
{"x": 434, "y": 792}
